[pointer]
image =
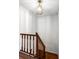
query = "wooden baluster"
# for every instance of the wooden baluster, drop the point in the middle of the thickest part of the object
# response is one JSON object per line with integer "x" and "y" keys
{"x": 22, "y": 44}
{"x": 27, "y": 43}
{"x": 33, "y": 45}
{"x": 30, "y": 44}
{"x": 24, "y": 41}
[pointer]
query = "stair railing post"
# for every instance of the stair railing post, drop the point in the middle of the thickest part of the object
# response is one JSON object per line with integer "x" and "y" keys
{"x": 22, "y": 43}
{"x": 36, "y": 44}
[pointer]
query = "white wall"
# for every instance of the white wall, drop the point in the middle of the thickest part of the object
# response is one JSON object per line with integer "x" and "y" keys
{"x": 48, "y": 30}
{"x": 27, "y": 21}
{"x": 46, "y": 26}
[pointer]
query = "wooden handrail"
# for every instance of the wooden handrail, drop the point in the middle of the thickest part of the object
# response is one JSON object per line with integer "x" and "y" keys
{"x": 40, "y": 39}
{"x": 40, "y": 53}
{"x": 27, "y": 34}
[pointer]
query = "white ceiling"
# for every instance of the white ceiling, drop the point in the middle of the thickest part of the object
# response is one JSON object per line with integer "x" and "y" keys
{"x": 49, "y": 6}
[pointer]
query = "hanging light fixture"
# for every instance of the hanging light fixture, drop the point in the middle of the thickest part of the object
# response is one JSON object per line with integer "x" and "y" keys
{"x": 39, "y": 7}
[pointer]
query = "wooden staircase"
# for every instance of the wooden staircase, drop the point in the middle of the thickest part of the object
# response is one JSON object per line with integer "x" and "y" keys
{"x": 32, "y": 46}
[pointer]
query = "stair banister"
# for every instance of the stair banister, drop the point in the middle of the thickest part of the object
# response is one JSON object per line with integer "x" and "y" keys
{"x": 40, "y": 47}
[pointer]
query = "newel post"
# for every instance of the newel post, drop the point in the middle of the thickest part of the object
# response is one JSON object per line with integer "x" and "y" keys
{"x": 37, "y": 44}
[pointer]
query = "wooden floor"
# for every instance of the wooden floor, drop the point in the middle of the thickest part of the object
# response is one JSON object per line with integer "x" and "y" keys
{"x": 48, "y": 56}
{"x": 51, "y": 56}
{"x": 21, "y": 57}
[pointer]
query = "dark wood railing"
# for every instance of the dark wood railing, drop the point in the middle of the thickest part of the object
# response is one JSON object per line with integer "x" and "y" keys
{"x": 40, "y": 47}
{"x": 33, "y": 45}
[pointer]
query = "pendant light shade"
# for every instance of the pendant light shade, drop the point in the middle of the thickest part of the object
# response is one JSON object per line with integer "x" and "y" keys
{"x": 39, "y": 7}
